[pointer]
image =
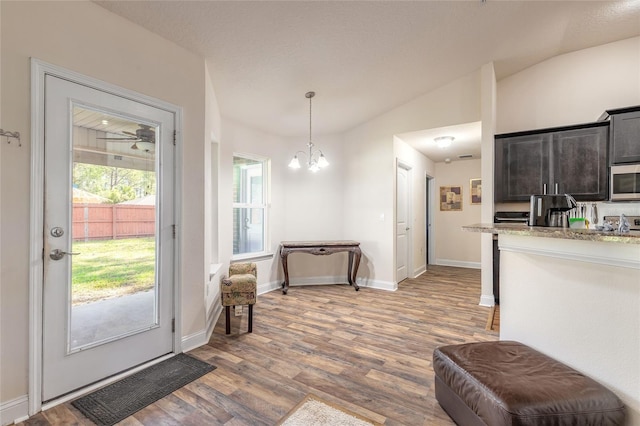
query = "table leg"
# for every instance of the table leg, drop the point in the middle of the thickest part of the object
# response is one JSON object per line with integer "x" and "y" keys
{"x": 283, "y": 257}
{"x": 354, "y": 263}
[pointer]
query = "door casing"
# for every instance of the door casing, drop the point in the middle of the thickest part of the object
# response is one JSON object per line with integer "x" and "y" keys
{"x": 431, "y": 203}
{"x": 39, "y": 70}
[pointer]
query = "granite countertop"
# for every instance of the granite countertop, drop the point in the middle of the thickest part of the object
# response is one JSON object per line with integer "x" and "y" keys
{"x": 632, "y": 237}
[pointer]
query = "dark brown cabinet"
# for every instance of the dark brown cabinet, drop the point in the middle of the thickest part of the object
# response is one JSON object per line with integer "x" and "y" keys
{"x": 521, "y": 166}
{"x": 569, "y": 160}
{"x": 625, "y": 137}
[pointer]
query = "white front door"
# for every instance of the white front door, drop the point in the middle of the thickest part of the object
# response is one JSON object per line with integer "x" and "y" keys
{"x": 402, "y": 222}
{"x": 108, "y": 235}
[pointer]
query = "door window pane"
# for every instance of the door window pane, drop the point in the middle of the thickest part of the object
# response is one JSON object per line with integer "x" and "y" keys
{"x": 113, "y": 185}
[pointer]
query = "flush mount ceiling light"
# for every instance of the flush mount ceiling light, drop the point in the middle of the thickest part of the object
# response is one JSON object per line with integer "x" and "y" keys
{"x": 316, "y": 159}
{"x": 444, "y": 141}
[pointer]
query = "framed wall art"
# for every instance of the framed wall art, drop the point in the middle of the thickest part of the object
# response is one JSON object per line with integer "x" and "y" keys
{"x": 475, "y": 187}
{"x": 450, "y": 198}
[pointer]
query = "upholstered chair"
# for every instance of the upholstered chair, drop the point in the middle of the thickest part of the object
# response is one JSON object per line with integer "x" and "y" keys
{"x": 240, "y": 288}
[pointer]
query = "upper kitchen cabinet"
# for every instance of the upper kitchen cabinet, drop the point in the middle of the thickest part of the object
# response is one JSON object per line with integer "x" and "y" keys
{"x": 567, "y": 160}
{"x": 579, "y": 159}
{"x": 625, "y": 135}
{"x": 521, "y": 166}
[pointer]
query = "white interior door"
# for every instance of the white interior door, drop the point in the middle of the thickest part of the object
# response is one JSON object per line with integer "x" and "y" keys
{"x": 402, "y": 222}
{"x": 108, "y": 263}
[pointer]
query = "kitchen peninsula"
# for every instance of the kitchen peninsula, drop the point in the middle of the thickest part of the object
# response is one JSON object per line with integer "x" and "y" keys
{"x": 574, "y": 294}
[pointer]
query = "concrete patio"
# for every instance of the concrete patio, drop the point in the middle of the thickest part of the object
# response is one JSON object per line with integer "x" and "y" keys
{"x": 105, "y": 319}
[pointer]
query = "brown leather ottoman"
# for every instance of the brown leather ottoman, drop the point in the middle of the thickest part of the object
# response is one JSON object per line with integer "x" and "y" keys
{"x": 508, "y": 383}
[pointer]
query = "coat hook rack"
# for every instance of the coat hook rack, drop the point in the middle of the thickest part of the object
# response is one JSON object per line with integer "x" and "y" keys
{"x": 9, "y": 135}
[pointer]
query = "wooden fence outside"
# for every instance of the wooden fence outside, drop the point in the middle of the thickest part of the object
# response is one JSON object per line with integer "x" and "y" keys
{"x": 111, "y": 221}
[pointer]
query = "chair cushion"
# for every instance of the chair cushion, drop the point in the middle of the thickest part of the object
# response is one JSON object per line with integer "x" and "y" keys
{"x": 239, "y": 283}
{"x": 238, "y": 290}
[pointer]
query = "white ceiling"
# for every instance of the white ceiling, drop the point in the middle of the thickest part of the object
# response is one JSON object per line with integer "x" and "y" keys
{"x": 363, "y": 58}
{"x": 467, "y": 141}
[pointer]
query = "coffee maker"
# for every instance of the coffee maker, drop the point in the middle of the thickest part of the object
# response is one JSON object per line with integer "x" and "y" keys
{"x": 550, "y": 210}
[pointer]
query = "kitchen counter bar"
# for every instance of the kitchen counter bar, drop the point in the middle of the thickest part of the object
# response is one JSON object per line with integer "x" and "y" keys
{"x": 632, "y": 237}
{"x": 574, "y": 294}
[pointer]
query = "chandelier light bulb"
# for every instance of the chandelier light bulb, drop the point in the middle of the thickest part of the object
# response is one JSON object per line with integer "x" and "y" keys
{"x": 295, "y": 163}
{"x": 322, "y": 161}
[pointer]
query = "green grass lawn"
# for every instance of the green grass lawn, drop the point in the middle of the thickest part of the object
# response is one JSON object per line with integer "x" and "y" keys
{"x": 110, "y": 268}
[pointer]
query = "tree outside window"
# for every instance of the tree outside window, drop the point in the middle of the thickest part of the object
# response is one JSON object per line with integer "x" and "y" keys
{"x": 249, "y": 205}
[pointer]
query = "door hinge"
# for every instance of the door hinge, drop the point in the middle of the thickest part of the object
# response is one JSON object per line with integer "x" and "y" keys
{"x": 173, "y": 325}
{"x": 173, "y": 227}
{"x": 174, "y": 137}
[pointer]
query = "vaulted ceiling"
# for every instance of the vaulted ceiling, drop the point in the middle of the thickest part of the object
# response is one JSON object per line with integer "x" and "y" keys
{"x": 363, "y": 58}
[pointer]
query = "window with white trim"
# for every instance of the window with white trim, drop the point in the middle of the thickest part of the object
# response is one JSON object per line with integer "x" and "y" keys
{"x": 250, "y": 231}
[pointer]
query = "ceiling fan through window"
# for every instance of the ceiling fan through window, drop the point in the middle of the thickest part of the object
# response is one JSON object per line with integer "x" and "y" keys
{"x": 143, "y": 139}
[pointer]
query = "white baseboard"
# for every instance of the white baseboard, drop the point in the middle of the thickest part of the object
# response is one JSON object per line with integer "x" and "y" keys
{"x": 202, "y": 337}
{"x": 421, "y": 270}
{"x": 458, "y": 263}
{"x": 267, "y": 287}
{"x": 487, "y": 300}
{"x": 378, "y": 285}
{"x": 14, "y": 411}
{"x": 327, "y": 280}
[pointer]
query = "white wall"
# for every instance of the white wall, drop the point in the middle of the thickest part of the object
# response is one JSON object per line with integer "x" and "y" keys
{"x": 240, "y": 139}
{"x": 421, "y": 167}
{"x": 369, "y": 181}
{"x": 345, "y": 201}
{"x": 314, "y": 209}
{"x": 571, "y": 89}
{"x": 64, "y": 34}
{"x": 455, "y": 247}
{"x": 211, "y": 168}
{"x": 488, "y": 99}
{"x": 303, "y": 205}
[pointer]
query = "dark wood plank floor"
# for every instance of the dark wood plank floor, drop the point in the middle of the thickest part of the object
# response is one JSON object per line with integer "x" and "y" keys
{"x": 369, "y": 351}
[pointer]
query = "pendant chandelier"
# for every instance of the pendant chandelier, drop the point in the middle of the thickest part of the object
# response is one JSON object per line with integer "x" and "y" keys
{"x": 316, "y": 159}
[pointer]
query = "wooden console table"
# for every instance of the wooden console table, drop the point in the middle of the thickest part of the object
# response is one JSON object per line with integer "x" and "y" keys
{"x": 322, "y": 248}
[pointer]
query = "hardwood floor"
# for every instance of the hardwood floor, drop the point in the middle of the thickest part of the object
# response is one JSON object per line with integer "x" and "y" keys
{"x": 369, "y": 351}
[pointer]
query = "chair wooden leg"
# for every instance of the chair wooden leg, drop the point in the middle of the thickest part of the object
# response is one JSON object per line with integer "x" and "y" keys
{"x": 250, "y": 318}
{"x": 227, "y": 313}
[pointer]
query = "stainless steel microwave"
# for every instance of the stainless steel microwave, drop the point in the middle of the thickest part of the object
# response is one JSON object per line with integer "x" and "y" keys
{"x": 625, "y": 183}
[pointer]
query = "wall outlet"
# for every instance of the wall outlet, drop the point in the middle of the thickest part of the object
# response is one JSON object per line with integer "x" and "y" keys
{"x": 237, "y": 311}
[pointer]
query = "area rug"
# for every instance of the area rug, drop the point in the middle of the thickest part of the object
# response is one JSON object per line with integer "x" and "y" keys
{"x": 119, "y": 400}
{"x": 314, "y": 411}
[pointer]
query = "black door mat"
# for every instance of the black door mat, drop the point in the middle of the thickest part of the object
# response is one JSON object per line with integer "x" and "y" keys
{"x": 119, "y": 400}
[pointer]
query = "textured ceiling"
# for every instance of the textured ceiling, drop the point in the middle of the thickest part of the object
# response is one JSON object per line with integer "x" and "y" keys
{"x": 363, "y": 58}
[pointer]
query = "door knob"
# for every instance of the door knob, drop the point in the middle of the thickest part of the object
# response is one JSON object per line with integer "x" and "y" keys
{"x": 58, "y": 254}
{"x": 406, "y": 229}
